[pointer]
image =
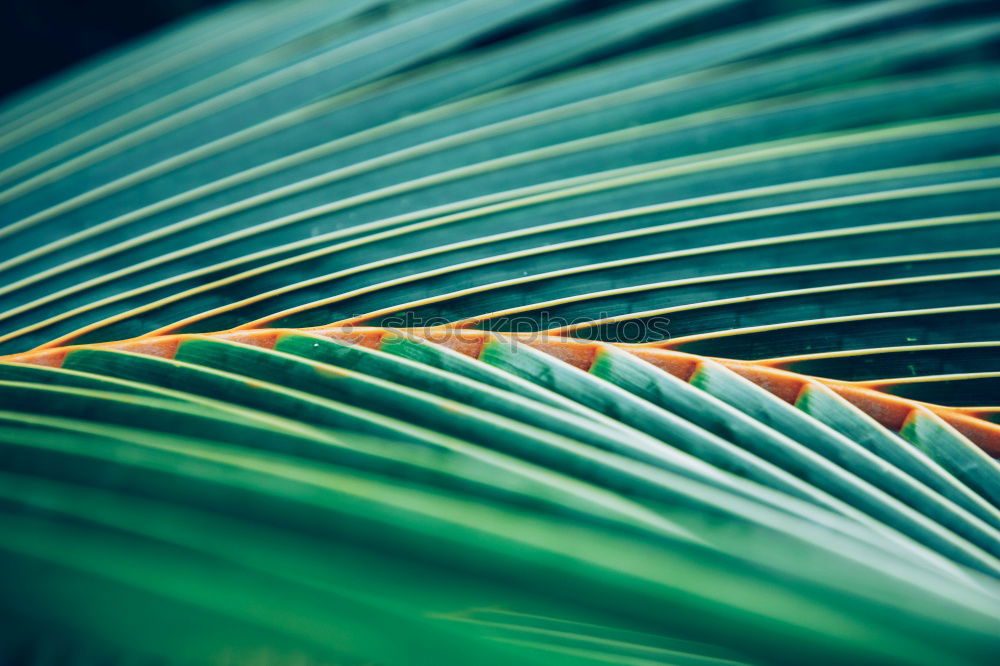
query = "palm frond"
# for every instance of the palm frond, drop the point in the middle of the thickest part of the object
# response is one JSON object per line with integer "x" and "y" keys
{"x": 475, "y": 332}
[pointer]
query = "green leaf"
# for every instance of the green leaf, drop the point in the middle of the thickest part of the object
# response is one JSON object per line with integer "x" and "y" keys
{"x": 806, "y": 187}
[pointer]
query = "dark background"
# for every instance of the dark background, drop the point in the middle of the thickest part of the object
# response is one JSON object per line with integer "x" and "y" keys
{"x": 41, "y": 37}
